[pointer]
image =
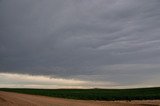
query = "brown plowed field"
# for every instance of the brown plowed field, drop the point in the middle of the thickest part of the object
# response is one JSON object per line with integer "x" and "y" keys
{"x": 15, "y": 99}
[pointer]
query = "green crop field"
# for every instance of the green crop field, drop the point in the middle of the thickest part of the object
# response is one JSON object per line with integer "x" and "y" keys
{"x": 94, "y": 94}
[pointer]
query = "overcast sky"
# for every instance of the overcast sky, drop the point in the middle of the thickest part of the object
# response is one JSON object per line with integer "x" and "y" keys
{"x": 87, "y": 43}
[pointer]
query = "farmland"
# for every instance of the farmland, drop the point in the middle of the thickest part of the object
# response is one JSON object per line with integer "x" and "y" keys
{"x": 94, "y": 94}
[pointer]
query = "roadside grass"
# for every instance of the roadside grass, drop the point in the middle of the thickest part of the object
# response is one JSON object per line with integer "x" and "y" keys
{"x": 94, "y": 94}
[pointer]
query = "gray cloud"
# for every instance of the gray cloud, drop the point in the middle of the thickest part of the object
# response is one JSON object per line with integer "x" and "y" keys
{"x": 113, "y": 40}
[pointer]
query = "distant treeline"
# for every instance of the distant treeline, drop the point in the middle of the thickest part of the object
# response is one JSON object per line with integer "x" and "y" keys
{"x": 93, "y": 94}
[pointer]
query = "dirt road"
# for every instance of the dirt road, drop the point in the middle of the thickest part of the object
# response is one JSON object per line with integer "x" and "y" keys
{"x": 15, "y": 99}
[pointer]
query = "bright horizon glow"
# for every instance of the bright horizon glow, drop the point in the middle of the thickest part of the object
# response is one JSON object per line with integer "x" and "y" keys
{"x": 14, "y": 80}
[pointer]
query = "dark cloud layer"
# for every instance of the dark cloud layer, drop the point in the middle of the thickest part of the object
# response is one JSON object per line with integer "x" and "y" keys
{"x": 107, "y": 40}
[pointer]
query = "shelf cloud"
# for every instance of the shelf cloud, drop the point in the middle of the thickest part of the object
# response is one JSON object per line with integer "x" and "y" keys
{"x": 112, "y": 41}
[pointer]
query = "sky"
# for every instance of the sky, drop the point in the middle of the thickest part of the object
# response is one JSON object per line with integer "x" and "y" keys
{"x": 79, "y": 43}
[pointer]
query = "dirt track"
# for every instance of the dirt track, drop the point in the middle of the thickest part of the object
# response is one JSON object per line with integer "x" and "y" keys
{"x": 15, "y": 99}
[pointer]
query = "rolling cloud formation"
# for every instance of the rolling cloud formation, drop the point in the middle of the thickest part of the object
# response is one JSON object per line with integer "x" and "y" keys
{"x": 112, "y": 41}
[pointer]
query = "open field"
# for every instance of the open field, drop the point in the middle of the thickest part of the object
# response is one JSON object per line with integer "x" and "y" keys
{"x": 95, "y": 94}
{"x": 16, "y": 99}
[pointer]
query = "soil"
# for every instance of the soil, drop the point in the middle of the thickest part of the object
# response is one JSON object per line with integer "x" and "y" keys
{"x": 16, "y": 99}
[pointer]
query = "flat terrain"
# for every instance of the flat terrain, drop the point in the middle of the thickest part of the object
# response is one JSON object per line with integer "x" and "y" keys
{"x": 93, "y": 94}
{"x": 15, "y": 99}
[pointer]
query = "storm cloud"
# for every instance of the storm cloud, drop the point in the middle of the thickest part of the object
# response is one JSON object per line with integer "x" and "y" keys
{"x": 114, "y": 41}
